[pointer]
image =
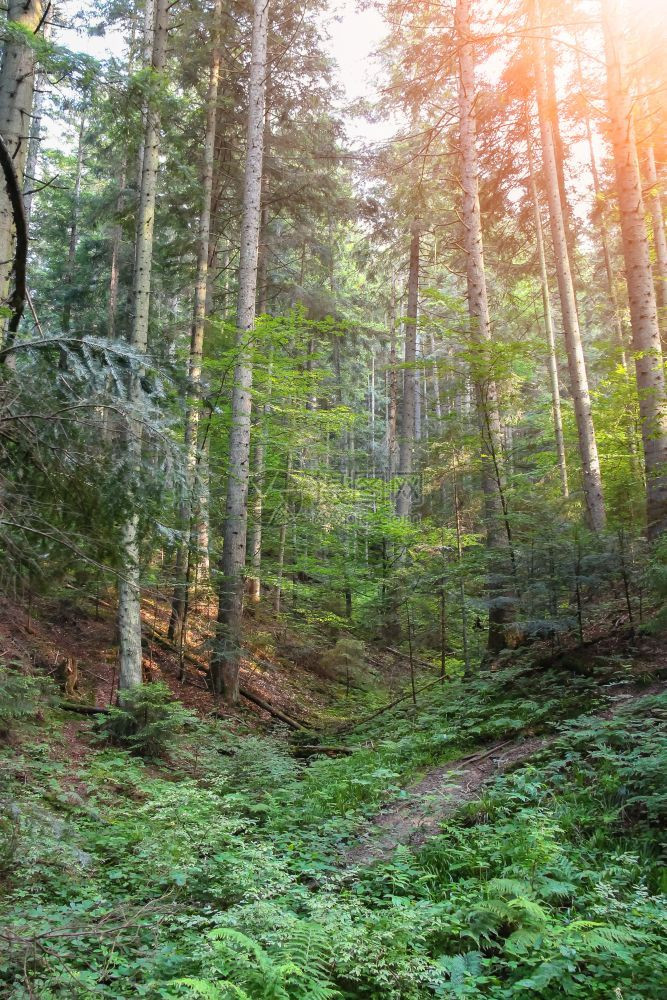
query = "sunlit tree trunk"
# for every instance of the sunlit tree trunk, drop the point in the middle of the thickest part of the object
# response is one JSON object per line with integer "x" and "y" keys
{"x": 641, "y": 290}
{"x": 17, "y": 82}
{"x": 410, "y": 387}
{"x": 654, "y": 199}
{"x": 259, "y": 454}
{"x": 601, "y": 214}
{"x": 498, "y": 538}
{"x": 226, "y": 658}
{"x": 548, "y": 320}
{"x": 590, "y": 463}
{"x": 129, "y": 593}
{"x": 189, "y": 505}
{"x": 32, "y": 159}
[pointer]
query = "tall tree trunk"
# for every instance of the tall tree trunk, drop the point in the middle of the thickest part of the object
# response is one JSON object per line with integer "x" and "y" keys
{"x": 189, "y": 504}
{"x": 129, "y": 593}
{"x": 73, "y": 234}
{"x": 548, "y": 321}
{"x": 410, "y": 386}
{"x": 392, "y": 389}
{"x": 590, "y": 463}
{"x": 17, "y": 82}
{"x": 226, "y": 658}
{"x": 498, "y": 536}
{"x": 602, "y": 223}
{"x": 658, "y": 225}
{"x": 641, "y": 290}
{"x": 32, "y": 159}
{"x": 259, "y": 455}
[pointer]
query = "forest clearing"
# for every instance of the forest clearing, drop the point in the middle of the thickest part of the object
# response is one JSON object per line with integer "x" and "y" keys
{"x": 333, "y": 499}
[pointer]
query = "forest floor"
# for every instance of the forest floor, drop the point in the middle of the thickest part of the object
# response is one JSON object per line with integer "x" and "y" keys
{"x": 422, "y": 808}
{"x": 278, "y": 666}
{"x": 510, "y": 799}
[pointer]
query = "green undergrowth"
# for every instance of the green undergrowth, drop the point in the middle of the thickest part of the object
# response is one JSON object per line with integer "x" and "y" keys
{"x": 218, "y": 873}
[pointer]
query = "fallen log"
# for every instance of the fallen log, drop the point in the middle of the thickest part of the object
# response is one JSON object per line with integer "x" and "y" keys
{"x": 69, "y": 706}
{"x": 305, "y": 750}
{"x": 271, "y": 709}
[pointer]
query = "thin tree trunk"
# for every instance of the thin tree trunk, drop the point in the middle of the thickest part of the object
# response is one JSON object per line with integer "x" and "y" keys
{"x": 282, "y": 539}
{"x": 641, "y": 290}
{"x": 602, "y": 225}
{"x": 436, "y": 381}
{"x": 392, "y": 390}
{"x": 73, "y": 230}
{"x": 548, "y": 321}
{"x": 189, "y": 505}
{"x": 658, "y": 226}
{"x": 226, "y": 659}
{"x": 129, "y": 593}
{"x": 410, "y": 388}
{"x": 255, "y": 546}
{"x": 498, "y": 535}
{"x": 17, "y": 81}
{"x": 590, "y": 463}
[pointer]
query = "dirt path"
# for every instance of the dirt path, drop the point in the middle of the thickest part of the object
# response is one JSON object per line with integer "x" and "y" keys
{"x": 418, "y": 816}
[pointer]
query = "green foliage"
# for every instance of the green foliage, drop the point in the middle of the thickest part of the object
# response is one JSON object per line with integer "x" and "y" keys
{"x": 21, "y": 695}
{"x": 148, "y": 720}
{"x": 221, "y": 877}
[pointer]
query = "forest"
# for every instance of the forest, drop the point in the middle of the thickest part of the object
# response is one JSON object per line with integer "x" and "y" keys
{"x": 333, "y": 499}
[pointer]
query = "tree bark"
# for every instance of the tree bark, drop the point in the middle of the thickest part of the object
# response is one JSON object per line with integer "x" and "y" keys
{"x": 392, "y": 389}
{"x": 73, "y": 234}
{"x": 639, "y": 277}
{"x": 129, "y": 593}
{"x": 255, "y": 542}
{"x": 17, "y": 81}
{"x": 548, "y": 321}
{"x": 189, "y": 504}
{"x": 590, "y": 463}
{"x": 410, "y": 386}
{"x": 498, "y": 539}
{"x": 226, "y": 658}
{"x": 658, "y": 226}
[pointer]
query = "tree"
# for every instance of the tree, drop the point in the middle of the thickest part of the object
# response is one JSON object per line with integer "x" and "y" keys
{"x": 188, "y": 511}
{"x": 639, "y": 277}
{"x": 588, "y": 450}
{"x": 17, "y": 83}
{"x": 226, "y": 658}
{"x": 488, "y": 414}
{"x": 129, "y": 586}
{"x": 548, "y": 321}
{"x": 410, "y": 386}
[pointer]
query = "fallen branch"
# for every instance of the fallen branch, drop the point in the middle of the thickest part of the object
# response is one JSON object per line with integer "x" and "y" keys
{"x": 405, "y": 656}
{"x": 387, "y": 708}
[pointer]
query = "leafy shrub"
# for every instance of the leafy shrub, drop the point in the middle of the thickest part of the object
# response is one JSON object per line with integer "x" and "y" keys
{"x": 148, "y": 721}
